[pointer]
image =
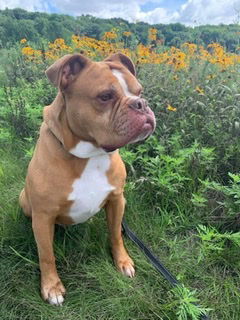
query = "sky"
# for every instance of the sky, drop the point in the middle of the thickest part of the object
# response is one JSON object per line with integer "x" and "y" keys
{"x": 188, "y": 12}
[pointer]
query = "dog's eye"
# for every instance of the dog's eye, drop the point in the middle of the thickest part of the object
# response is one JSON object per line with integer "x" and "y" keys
{"x": 106, "y": 96}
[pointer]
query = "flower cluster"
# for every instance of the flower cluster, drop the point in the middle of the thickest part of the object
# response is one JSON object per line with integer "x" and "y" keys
{"x": 222, "y": 58}
{"x": 152, "y": 34}
{"x": 127, "y": 34}
{"x": 178, "y": 59}
{"x": 111, "y": 35}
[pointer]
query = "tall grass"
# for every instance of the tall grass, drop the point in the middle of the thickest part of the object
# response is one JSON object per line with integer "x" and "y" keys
{"x": 182, "y": 200}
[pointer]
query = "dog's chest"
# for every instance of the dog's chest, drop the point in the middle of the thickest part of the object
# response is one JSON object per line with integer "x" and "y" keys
{"x": 90, "y": 189}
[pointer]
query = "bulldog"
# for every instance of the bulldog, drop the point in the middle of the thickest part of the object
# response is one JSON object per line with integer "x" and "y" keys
{"x": 76, "y": 168}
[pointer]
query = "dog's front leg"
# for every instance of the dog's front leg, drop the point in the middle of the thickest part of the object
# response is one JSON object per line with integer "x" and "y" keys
{"x": 52, "y": 288}
{"x": 115, "y": 210}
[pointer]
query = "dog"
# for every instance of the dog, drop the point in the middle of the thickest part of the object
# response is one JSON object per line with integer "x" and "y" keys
{"x": 76, "y": 168}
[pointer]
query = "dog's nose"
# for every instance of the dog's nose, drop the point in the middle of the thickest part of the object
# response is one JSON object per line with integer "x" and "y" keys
{"x": 138, "y": 104}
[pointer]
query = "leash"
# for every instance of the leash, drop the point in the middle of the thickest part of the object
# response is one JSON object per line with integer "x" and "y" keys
{"x": 154, "y": 260}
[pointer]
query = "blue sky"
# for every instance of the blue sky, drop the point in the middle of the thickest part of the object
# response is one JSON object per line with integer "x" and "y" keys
{"x": 188, "y": 12}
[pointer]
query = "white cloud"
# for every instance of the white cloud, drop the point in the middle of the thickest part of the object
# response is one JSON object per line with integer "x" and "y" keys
{"x": 192, "y": 12}
{"x": 209, "y": 11}
{"x": 129, "y": 10}
{"x": 33, "y": 5}
{"x": 158, "y": 15}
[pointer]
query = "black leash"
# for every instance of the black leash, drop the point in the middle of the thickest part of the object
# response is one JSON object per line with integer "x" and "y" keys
{"x": 154, "y": 260}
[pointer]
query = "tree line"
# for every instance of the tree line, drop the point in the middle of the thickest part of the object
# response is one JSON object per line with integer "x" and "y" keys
{"x": 16, "y": 24}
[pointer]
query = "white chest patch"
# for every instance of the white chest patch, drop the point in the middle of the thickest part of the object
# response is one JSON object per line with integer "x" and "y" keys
{"x": 86, "y": 149}
{"x": 91, "y": 189}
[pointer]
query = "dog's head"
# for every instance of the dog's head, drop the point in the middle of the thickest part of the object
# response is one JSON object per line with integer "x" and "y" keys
{"x": 103, "y": 100}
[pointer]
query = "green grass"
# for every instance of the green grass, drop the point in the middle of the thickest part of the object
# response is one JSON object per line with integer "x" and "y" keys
{"x": 183, "y": 196}
{"x": 95, "y": 290}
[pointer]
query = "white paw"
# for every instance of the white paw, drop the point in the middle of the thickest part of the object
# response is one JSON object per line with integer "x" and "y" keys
{"x": 128, "y": 271}
{"x": 56, "y": 300}
{"x": 126, "y": 266}
{"x": 53, "y": 292}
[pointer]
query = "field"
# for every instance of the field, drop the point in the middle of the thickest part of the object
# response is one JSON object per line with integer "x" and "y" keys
{"x": 183, "y": 189}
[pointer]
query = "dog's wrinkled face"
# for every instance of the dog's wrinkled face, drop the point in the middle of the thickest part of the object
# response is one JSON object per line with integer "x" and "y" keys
{"x": 103, "y": 100}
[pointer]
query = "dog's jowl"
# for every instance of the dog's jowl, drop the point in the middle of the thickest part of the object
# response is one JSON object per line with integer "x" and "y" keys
{"x": 76, "y": 168}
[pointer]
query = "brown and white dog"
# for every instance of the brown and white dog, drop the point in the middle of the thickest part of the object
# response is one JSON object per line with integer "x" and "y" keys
{"x": 76, "y": 169}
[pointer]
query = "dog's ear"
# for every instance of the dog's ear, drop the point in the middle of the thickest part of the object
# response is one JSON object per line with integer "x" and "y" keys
{"x": 65, "y": 70}
{"x": 123, "y": 59}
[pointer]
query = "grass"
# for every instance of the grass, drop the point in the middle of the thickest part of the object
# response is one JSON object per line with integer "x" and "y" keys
{"x": 95, "y": 290}
{"x": 183, "y": 196}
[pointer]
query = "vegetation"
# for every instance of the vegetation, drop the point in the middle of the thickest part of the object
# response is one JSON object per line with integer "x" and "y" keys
{"x": 17, "y": 24}
{"x": 183, "y": 190}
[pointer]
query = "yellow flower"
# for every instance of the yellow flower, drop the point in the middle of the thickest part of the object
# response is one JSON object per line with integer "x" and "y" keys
{"x": 191, "y": 47}
{"x": 110, "y": 35}
{"x": 28, "y": 51}
{"x": 152, "y": 34}
{"x": 127, "y": 33}
{"x": 211, "y": 76}
{"x": 23, "y": 40}
{"x": 170, "y": 108}
{"x": 199, "y": 90}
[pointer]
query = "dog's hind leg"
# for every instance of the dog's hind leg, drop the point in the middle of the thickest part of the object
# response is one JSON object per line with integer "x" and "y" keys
{"x": 24, "y": 203}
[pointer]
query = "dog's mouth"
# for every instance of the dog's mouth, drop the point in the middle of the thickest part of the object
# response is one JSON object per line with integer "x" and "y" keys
{"x": 110, "y": 149}
{"x": 146, "y": 130}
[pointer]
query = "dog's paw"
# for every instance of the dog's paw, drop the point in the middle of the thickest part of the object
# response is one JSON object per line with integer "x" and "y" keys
{"x": 126, "y": 267}
{"x": 56, "y": 300}
{"x": 54, "y": 294}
